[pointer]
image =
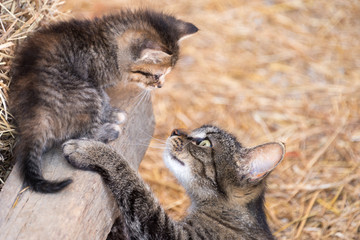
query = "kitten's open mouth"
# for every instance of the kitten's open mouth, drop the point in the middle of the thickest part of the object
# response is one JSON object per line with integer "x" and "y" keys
{"x": 176, "y": 159}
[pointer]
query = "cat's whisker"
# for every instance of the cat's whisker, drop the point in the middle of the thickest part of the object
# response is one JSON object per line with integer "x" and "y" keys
{"x": 146, "y": 144}
{"x": 159, "y": 140}
{"x": 154, "y": 138}
{"x": 162, "y": 148}
{"x": 149, "y": 146}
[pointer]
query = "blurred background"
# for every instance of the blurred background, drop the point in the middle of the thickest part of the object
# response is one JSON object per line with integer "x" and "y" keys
{"x": 267, "y": 70}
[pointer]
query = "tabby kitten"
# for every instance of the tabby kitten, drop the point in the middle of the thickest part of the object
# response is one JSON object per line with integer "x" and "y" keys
{"x": 60, "y": 72}
{"x": 226, "y": 183}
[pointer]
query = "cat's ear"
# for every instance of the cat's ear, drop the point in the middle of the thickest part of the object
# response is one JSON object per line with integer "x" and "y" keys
{"x": 185, "y": 29}
{"x": 263, "y": 159}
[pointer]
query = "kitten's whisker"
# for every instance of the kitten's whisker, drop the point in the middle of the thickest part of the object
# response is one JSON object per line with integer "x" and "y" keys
{"x": 146, "y": 96}
{"x": 140, "y": 97}
{"x": 137, "y": 97}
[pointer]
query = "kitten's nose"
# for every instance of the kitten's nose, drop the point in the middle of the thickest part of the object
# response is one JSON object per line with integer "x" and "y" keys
{"x": 177, "y": 132}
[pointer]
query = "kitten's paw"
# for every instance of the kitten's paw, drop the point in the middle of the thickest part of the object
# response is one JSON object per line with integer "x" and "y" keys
{"x": 117, "y": 116}
{"x": 107, "y": 132}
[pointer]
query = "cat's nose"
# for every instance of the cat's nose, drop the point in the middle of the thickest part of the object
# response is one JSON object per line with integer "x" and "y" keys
{"x": 177, "y": 132}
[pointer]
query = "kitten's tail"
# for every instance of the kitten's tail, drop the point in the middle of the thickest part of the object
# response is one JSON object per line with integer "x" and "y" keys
{"x": 30, "y": 159}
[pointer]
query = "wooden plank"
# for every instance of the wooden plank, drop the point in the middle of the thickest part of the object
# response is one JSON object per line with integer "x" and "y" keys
{"x": 85, "y": 209}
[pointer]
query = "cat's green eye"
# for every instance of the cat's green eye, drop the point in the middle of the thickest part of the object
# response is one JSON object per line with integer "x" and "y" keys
{"x": 205, "y": 143}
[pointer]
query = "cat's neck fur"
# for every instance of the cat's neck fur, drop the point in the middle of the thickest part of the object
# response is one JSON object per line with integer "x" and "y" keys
{"x": 239, "y": 213}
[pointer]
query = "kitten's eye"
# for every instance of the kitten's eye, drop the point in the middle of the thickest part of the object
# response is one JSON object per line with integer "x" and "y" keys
{"x": 205, "y": 143}
{"x": 146, "y": 74}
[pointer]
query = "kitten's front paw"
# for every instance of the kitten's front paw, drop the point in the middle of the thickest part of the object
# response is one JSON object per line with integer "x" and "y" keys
{"x": 107, "y": 132}
{"x": 118, "y": 116}
{"x": 79, "y": 153}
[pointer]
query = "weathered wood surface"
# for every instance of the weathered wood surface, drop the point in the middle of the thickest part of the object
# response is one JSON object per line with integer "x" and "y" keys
{"x": 85, "y": 209}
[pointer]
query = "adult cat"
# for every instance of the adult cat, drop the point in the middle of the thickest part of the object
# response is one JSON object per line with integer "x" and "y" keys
{"x": 226, "y": 183}
{"x": 60, "y": 72}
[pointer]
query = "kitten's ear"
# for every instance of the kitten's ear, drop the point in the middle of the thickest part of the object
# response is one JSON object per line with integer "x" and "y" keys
{"x": 185, "y": 29}
{"x": 153, "y": 56}
{"x": 264, "y": 158}
{"x": 152, "y": 53}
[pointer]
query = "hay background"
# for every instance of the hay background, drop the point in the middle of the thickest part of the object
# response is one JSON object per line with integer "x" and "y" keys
{"x": 268, "y": 70}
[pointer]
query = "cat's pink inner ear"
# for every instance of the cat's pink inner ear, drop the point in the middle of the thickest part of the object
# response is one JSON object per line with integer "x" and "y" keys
{"x": 264, "y": 158}
{"x": 154, "y": 56}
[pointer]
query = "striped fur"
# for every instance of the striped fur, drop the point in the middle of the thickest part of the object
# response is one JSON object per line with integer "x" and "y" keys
{"x": 226, "y": 203}
{"x": 60, "y": 72}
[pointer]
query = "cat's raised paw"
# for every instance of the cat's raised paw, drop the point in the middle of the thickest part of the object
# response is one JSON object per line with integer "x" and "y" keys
{"x": 78, "y": 153}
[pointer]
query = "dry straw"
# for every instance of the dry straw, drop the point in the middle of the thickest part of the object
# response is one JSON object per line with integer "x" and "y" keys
{"x": 265, "y": 70}
{"x": 17, "y": 19}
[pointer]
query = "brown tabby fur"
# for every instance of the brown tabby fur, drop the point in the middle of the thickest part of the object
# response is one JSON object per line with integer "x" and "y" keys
{"x": 226, "y": 183}
{"x": 60, "y": 72}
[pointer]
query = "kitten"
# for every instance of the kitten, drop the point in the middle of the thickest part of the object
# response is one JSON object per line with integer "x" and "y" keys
{"x": 226, "y": 183}
{"x": 60, "y": 72}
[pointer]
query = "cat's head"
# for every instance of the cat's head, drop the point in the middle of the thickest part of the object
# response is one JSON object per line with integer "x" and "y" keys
{"x": 152, "y": 42}
{"x": 211, "y": 164}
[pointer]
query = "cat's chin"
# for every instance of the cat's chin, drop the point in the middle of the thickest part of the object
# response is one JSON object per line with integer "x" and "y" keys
{"x": 177, "y": 167}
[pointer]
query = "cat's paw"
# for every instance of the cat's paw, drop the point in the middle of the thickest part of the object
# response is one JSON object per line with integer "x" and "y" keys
{"x": 107, "y": 132}
{"x": 80, "y": 153}
{"x": 90, "y": 155}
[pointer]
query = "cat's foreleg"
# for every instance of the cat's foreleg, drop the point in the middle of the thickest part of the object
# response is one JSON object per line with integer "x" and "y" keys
{"x": 144, "y": 217}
